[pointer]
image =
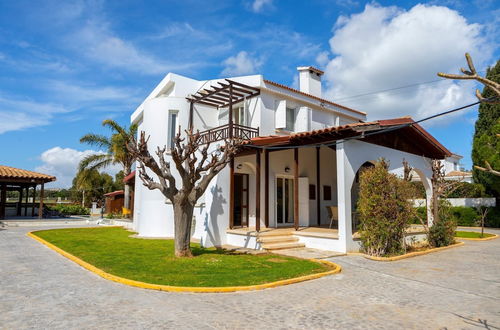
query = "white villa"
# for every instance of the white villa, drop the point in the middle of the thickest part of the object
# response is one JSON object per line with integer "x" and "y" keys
{"x": 295, "y": 183}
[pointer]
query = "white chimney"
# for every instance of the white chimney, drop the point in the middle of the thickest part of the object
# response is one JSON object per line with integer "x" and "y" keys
{"x": 310, "y": 80}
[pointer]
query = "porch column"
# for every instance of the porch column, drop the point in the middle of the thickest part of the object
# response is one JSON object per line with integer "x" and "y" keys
{"x": 257, "y": 191}
{"x": 266, "y": 188}
{"x": 191, "y": 105}
{"x": 345, "y": 177}
{"x": 40, "y": 207}
{"x": 296, "y": 188}
{"x": 26, "y": 201}
{"x": 231, "y": 193}
{"x": 20, "y": 201}
{"x": 33, "y": 202}
{"x": 3, "y": 198}
{"x": 318, "y": 185}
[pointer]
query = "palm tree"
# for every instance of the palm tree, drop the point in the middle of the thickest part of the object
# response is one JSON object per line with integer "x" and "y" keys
{"x": 116, "y": 151}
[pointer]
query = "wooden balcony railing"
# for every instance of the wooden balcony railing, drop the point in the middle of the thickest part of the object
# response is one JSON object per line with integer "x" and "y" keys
{"x": 239, "y": 132}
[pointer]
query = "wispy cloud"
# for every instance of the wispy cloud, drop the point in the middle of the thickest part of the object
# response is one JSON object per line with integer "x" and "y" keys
{"x": 259, "y": 5}
{"x": 17, "y": 114}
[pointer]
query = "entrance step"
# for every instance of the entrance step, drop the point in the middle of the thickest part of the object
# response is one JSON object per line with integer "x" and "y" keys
{"x": 280, "y": 246}
{"x": 277, "y": 239}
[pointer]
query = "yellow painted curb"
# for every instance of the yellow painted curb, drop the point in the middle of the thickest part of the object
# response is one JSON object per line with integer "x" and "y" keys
{"x": 408, "y": 255}
{"x": 336, "y": 269}
{"x": 479, "y": 239}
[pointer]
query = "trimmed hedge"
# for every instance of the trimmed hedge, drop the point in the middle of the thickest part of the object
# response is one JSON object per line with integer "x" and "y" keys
{"x": 71, "y": 209}
{"x": 467, "y": 216}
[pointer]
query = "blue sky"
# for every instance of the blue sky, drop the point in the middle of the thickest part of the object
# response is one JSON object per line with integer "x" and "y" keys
{"x": 67, "y": 65}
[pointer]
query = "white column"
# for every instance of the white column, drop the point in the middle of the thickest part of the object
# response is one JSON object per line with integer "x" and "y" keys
{"x": 344, "y": 180}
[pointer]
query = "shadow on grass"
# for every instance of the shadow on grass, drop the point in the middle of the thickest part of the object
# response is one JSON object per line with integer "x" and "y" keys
{"x": 198, "y": 251}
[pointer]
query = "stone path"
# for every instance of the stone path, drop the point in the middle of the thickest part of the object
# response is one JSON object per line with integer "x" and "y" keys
{"x": 454, "y": 289}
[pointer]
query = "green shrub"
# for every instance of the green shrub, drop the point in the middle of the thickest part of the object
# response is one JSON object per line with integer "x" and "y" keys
{"x": 385, "y": 210}
{"x": 420, "y": 212}
{"x": 70, "y": 209}
{"x": 465, "y": 216}
{"x": 468, "y": 190}
{"x": 442, "y": 232}
{"x": 493, "y": 217}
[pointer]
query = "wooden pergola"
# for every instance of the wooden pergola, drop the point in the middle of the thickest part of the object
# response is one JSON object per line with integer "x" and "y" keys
{"x": 15, "y": 179}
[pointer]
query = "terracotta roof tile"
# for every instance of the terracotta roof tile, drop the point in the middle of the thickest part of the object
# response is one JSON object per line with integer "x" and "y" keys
{"x": 7, "y": 172}
{"x": 114, "y": 193}
{"x": 459, "y": 173}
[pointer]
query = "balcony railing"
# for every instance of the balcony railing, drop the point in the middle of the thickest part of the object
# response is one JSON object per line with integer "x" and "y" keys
{"x": 239, "y": 132}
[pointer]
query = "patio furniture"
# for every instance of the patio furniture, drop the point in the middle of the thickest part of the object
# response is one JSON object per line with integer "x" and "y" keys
{"x": 333, "y": 213}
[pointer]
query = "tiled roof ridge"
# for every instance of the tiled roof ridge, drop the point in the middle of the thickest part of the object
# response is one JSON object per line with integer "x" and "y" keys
{"x": 312, "y": 96}
{"x": 13, "y": 172}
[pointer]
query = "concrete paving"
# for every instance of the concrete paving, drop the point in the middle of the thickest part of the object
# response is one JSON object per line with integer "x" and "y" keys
{"x": 457, "y": 288}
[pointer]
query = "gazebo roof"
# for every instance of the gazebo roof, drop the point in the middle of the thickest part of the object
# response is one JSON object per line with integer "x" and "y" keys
{"x": 16, "y": 175}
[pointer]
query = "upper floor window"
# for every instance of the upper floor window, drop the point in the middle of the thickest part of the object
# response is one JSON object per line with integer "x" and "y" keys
{"x": 290, "y": 119}
{"x": 239, "y": 115}
{"x": 172, "y": 125}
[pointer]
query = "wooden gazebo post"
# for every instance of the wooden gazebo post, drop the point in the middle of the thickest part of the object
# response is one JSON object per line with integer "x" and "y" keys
{"x": 40, "y": 207}
{"x": 3, "y": 198}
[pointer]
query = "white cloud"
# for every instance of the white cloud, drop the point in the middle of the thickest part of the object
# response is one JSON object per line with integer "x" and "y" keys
{"x": 259, "y": 5}
{"x": 241, "y": 64}
{"x": 386, "y": 47}
{"x": 63, "y": 164}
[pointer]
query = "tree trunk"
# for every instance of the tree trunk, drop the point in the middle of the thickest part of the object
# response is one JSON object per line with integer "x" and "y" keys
{"x": 126, "y": 201}
{"x": 183, "y": 217}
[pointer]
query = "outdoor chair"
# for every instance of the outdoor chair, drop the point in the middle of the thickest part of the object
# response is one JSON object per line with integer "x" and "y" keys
{"x": 333, "y": 213}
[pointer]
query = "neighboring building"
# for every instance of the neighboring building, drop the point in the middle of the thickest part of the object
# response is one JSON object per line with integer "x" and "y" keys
{"x": 301, "y": 159}
{"x": 454, "y": 170}
{"x": 115, "y": 201}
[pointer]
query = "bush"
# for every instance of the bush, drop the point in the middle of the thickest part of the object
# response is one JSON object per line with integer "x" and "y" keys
{"x": 70, "y": 209}
{"x": 468, "y": 190}
{"x": 442, "y": 232}
{"x": 493, "y": 217}
{"x": 465, "y": 216}
{"x": 384, "y": 210}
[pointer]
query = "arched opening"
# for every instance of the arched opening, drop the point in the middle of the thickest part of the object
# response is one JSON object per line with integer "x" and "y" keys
{"x": 355, "y": 194}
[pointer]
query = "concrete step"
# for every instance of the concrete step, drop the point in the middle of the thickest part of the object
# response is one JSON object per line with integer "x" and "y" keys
{"x": 280, "y": 246}
{"x": 277, "y": 239}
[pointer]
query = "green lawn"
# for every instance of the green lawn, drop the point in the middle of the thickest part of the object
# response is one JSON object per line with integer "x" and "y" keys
{"x": 471, "y": 234}
{"x": 153, "y": 261}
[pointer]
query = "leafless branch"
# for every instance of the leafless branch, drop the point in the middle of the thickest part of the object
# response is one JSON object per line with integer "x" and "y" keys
{"x": 471, "y": 74}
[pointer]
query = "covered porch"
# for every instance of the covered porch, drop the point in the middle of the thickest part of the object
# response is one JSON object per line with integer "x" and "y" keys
{"x": 308, "y": 182}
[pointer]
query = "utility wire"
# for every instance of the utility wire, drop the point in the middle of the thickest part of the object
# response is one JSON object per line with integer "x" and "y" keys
{"x": 364, "y": 135}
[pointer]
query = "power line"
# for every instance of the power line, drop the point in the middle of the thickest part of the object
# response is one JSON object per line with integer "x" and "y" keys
{"x": 364, "y": 135}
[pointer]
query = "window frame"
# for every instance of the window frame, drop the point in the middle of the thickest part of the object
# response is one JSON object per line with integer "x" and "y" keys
{"x": 171, "y": 129}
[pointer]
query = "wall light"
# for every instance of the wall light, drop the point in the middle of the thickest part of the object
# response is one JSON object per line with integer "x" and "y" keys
{"x": 239, "y": 166}
{"x": 287, "y": 169}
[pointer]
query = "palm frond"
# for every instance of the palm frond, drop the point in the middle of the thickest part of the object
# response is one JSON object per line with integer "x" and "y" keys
{"x": 114, "y": 126}
{"x": 95, "y": 162}
{"x": 96, "y": 140}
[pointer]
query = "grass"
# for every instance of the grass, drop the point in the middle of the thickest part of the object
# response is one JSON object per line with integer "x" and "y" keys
{"x": 153, "y": 261}
{"x": 471, "y": 234}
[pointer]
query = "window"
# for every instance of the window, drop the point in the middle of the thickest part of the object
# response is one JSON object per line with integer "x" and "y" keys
{"x": 290, "y": 119}
{"x": 312, "y": 191}
{"x": 172, "y": 126}
{"x": 327, "y": 193}
{"x": 239, "y": 115}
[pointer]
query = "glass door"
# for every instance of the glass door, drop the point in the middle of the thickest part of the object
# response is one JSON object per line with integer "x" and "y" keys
{"x": 284, "y": 201}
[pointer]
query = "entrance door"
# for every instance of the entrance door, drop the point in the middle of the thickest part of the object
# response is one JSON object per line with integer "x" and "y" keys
{"x": 240, "y": 199}
{"x": 284, "y": 201}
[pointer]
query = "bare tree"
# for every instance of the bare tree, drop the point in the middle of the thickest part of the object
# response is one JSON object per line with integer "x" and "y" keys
{"x": 483, "y": 212}
{"x": 196, "y": 167}
{"x": 471, "y": 74}
{"x": 407, "y": 171}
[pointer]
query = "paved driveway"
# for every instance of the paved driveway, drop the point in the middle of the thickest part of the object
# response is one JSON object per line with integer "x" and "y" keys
{"x": 455, "y": 289}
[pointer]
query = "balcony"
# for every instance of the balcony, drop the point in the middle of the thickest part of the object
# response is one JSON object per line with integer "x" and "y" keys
{"x": 239, "y": 132}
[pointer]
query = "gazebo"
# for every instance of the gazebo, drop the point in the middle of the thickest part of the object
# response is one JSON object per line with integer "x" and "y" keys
{"x": 15, "y": 179}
